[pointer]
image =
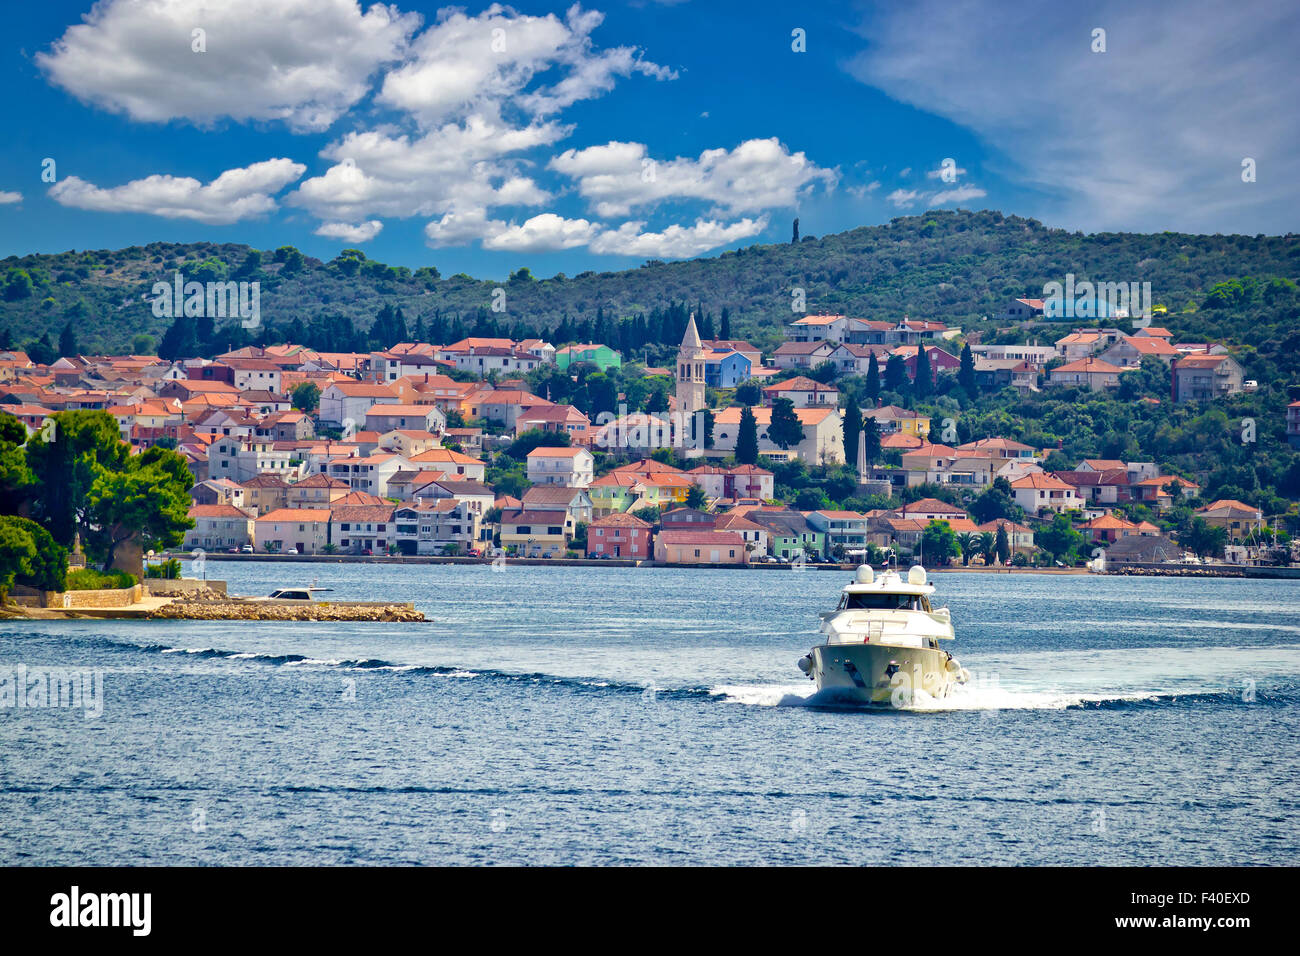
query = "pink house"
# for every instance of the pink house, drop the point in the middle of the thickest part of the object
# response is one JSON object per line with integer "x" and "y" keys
{"x": 619, "y": 535}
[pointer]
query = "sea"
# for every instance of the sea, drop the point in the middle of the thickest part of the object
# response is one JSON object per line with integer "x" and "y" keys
{"x": 656, "y": 716}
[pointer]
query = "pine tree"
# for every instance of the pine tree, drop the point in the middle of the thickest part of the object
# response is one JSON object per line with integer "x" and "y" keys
{"x": 747, "y": 438}
{"x": 724, "y": 326}
{"x": 895, "y": 374}
{"x": 966, "y": 374}
{"x": 785, "y": 429}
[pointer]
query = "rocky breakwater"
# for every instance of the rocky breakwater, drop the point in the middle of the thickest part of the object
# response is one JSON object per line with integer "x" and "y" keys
{"x": 228, "y": 610}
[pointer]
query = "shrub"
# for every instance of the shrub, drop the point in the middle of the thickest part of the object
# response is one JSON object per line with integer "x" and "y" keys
{"x": 89, "y": 579}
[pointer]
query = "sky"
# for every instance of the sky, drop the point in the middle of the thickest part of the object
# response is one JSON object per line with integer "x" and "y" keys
{"x": 483, "y": 138}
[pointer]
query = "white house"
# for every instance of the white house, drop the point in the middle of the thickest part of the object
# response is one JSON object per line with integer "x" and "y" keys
{"x": 571, "y": 467}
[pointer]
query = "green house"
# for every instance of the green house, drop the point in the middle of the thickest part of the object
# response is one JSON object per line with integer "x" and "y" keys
{"x": 602, "y": 356}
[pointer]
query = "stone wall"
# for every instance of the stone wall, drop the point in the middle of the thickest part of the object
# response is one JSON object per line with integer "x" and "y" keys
{"x": 182, "y": 587}
{"x": 109, "y": 597}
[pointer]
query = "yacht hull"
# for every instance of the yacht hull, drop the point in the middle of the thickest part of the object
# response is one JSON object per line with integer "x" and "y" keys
{"x": 881, "y": 673}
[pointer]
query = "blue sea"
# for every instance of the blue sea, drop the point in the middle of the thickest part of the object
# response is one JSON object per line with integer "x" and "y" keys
{"x": 550, "y": 715}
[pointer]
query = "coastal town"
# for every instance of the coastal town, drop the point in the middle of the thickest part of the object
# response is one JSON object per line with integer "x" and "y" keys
{"x": 449, "y": 451}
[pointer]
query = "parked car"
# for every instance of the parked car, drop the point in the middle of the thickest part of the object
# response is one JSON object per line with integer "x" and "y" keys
{"x": 367, "y": 552}
{"x": 292, "y": 551}
{"x": 246, "y": 549}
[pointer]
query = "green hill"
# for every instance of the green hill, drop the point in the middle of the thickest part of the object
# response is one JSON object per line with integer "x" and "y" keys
{"x": 957, "y": 267}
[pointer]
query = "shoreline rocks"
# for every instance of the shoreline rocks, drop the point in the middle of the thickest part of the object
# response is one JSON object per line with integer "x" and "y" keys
{"x": 254, "y": 611}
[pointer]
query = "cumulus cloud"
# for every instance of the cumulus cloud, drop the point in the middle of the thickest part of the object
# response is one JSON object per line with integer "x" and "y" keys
{"x": 304, "y": 62}
{"x": 455, "y": 166}
{"x": 1144, "y": 136}
{"x": 361, "y": 232}
{"x": 674, "y": 242}
{"x": 545, "y": 233}
{"x": 758, "y": 174}
{"x": 482, "y": 63}
{"x": 234, "y": 195}
{"x": 7, "y": 197}
{"x": 549, "y": 232}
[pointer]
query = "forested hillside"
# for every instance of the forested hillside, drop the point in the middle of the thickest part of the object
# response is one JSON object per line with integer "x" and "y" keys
{"x": 957, "y": 267}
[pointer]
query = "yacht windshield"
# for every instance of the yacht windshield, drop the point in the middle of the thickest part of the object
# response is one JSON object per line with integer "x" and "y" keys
{"x": 882, "y": 602}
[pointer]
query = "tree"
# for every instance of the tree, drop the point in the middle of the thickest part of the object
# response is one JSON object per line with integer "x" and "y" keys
{"x": 852, "y": 430}
{"x": 147, "y": 499}
{"x": 996, "y": 501}
{"x": 17, "y": 552}
{"x": 923, "y": 381}
{"x": 1003, "y": 545}
{"x": 967, "y": 541}
{"x": 873, "y": 378}
{"x": 747, "y": 438}
{"x": 785, "y": 429}
{"x": 535, "y": 438}
{"x": 306, "y": 396}
{"x": 871, "y": 440}
{"x": 1202, "y": 539}
{"x": 18, "y": 285}
{"x": 65, "y": 461}
{"x": 15, "y": 476}
{"x": 749, "y": 393}
{"x": 966, "y": 374}
{"x": 48, "y": 567}
{"x": 1059, "y": 539}
{"x": 895, "y": 374}
{"x": 988, "y": 546}
{"x": 696, "y": 498}
{"x": 825, "y": 372}
{"x": 68, "y": 341}
{"x": 938, "y": 543}
{"x": 795, "y": 237}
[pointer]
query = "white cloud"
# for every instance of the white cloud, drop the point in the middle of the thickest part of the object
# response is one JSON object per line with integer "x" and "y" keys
{"x": 958, "y": 195}
{"x": 460, "y": 227}
{"x": 545, "y": 233}
{"x": 675, "y": 242}
{"x": 6, "y": 198}
{"x": 361, "y": 232}
{"x": 304, "y": 62}
{"x": 478, "y": 64}
{"x": 862, "y": 191}
{"x": 455, "y": 166}
{"x": 903, "y": 197}
{"x": 549, "y": 232}
{"x": 758, "y": 174}
{"x": 1145, "y": 136}
{"x": 234, "y": 195}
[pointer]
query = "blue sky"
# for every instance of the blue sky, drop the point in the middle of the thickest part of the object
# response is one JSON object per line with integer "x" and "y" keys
{"x": 565, "y": 138}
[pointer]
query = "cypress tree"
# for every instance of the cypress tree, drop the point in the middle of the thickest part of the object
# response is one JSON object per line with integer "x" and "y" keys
{"x": 873, "y": 378}
{"x": 924, "y": 380}
{"x": 747, "y": 438}
{"x": 852, "y": 426}
{"x": 966, "y": 374}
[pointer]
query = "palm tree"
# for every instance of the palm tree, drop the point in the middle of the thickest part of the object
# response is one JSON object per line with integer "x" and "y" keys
{"x": 966, "y": 541}
{"x": 988, "y": 545}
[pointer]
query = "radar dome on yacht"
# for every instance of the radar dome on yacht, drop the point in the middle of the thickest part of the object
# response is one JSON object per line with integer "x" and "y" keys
{"x": 865, "y": 574}
{"x": 916, "y": 575}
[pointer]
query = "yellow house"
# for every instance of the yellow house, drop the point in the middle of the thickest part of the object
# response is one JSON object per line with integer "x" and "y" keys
{"x": 534, "y": 534}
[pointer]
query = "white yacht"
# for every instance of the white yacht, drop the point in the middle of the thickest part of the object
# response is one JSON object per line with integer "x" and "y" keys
{"x": 882, "y": 642}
